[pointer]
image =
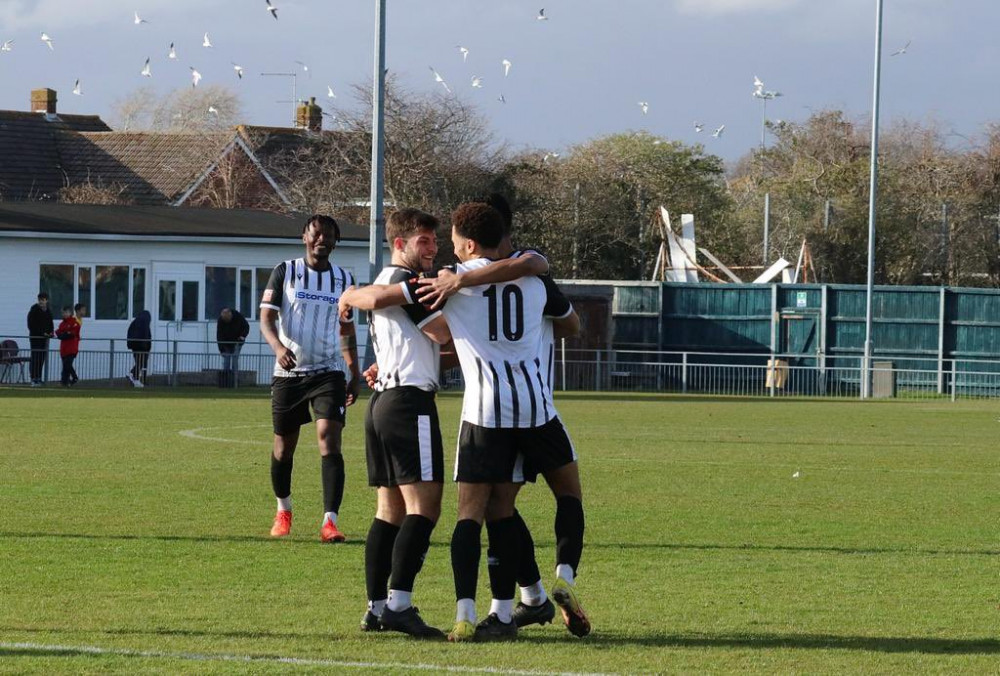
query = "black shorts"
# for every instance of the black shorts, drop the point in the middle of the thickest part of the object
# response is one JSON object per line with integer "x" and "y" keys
{"x": 516, "y": 454}
{"x": 291, "y": 397}
{"x": 403, "y": 438}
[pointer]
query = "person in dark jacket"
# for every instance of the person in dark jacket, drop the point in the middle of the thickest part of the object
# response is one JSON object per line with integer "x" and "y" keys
{"x": 230, "y": 333}
{"x": 40, "y": 329}
{"x": 140, "y": 339}
{"x": 68, "y": 334}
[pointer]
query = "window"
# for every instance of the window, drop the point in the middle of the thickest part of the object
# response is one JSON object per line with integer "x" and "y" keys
{"x": 83, "y": 279}
{"x": 263, "y": 277}
{"x": 111, "y": 292}
{"x": 189, "y": 301}
{"x": 168, "y": 300}
{"x": 220, "y": 290}
{"x": 138, "y": 291}
{"x": 57, "y": 281}
{"x": 246, "y": 293}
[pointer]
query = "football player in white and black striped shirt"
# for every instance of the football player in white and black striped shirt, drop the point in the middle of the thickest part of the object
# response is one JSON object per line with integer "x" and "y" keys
{"x": 313, "y": 345}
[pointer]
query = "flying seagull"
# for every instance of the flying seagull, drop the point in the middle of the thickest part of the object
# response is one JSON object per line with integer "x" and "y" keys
{"x": 757, "y": 84}
{"x": 644, "y": 106}
{"x": 541, "y": 15}
{"x": 239, "y": 70}
{"x": 47, "y": 40}
{"x": 138, "y": 19}
{"x": 76, "y": 89}
{"x": 213, "y": 110}
{"x": 7, "y": 46}
{"x": 195, "y": 77}
{"x": 477, "y": 82}
{"x": 206, "y": 42}
{"x": 465, "y": 52}
{"x": 501, "y": 99}
{"x": 173, "y": 52}
{"x": 146, "y": 72}
{"x": 506, "y": 66}
{"x": 698, "y": 127}
{"x": 438, "y": 78}
{"x": 718, "y": 132}
{"x": 329, "y": 92}
{"x": 902, "y": 50}
{"x": 272, "y": 9}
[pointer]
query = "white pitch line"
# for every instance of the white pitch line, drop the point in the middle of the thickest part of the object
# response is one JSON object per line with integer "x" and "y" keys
{"x": 195, "y": 433}
{"x": 299, "y": 661}
{"x": 764, "y": 465}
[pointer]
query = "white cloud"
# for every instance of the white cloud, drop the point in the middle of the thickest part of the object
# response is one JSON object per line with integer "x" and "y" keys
{"x": 731, "y": 6}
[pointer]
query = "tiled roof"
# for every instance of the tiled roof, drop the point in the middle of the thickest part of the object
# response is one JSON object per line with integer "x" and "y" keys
{"x": 154, "y": 167}
{"x": 30, "y": 163}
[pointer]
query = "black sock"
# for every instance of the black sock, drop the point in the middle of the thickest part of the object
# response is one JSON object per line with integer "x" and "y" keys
{"x": 333, "y": 481}
{"x": 411, "y": 547}
{"x": 527, "y": 567}
{"x": 569, "y": 531}
{"x": 465, "y": 551}
{"x": 502, "y": 557}
{"x": 378, "y": 558}
{"x": 281, "y": 476}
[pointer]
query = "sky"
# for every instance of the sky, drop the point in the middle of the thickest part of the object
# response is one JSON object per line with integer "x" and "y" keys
{"x": 576, "y": 76}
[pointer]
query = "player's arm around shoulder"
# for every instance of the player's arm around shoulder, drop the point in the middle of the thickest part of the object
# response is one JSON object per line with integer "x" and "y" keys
{"x": 371, "y": 297}
{"x": 437, "y": 330}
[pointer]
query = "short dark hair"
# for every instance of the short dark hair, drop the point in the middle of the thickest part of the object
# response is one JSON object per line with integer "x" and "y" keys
{"x": 406, "y": 222}
{"x": 479, "y": 222}
{"x": 500, "y": 203}
{"x": 321, "y": 221}
{"x": 43, "y": 296}
{"x": 79, "y": 306}
{"x": 67, "y": 308}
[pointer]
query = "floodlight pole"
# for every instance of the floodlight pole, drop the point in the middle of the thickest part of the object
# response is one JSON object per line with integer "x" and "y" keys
{"x": 866, "y": 381}
{"x": 377, "y": 222}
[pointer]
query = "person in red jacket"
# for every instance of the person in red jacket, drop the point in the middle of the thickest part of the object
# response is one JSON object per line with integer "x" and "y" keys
{"x": 68, "y": 333}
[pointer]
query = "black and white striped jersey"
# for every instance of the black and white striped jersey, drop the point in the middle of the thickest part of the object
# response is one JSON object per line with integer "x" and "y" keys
{"x": 306, "y": 300}
{"x": 498, "y": 332}
{"x": 405, "y": 356}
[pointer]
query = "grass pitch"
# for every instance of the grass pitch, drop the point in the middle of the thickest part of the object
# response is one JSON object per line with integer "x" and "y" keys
{"x": 134, "y": 538}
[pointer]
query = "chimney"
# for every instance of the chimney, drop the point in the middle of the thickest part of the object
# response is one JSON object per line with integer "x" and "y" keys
{"x": 43, "y": 101}
{"x": 308, "y": 116}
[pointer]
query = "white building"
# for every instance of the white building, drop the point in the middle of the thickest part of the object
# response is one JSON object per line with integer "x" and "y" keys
{"x": 182, "y": 264}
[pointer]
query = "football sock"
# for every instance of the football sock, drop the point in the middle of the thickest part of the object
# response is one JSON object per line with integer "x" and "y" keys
{"x": 565, "y": 572}
{"x": 502, "y": 557}
{"x": 534, "y": 594}
{"x": 285, "y": 504}
{"x": 569, "y": 531}
{"x": 408, "y": 553}
{"x": 281, "y": 476}
{"x": 333, "y": 481}
{"x": 527, "y": 568}
{"x": 331, "y": 517}
{"x": 378, "y": 559}
{"x": 503, "y": 609}
{"x": 399, "y": 600}
{"x": 466, "y": 610}
{"x": 465, "y": 551}
{"x": 376, "y": 607}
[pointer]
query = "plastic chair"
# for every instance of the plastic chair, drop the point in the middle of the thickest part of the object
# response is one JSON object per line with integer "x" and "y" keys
{"x": 10, "y": 358}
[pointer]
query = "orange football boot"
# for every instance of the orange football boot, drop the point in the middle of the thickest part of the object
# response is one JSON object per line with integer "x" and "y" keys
{"x": 282, "y": 524}
{"x": 330, "y": 533}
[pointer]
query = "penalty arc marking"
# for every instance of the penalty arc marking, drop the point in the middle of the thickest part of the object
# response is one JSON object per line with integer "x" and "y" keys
{"x": 197, "y": 433}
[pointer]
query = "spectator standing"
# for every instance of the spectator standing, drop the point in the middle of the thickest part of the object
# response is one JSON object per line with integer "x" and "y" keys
{"x": 68, "y": 334}
{"x": 40, "y": 329}
{"x": 230, "y": 333}
{"x": 140, "y": 339}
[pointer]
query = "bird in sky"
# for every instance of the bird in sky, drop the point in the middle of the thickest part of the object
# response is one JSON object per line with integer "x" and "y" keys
{"x": 644, "y": 106}
{"x": 146, "y": 72}
{"x": 329, "y": 92}
{"x": 173, "y": 52}
{"x": 195, "y": 77}
{"x": 554, "y": 156}
{"x": 501, "y": 98}
{"x": 138, "y": 20}
{"x": 541, "y": 15}
{"x": 76, "y": 89}
{"x": 465, "y": 52}
{"x": 272, "y": 9}
{"x": 718, "y": 132}
{"x": 206, "y": 42}
{"x": 239, "y": 70}
{"x": 8, "y": 45}
{"x": 47, "y": 40}
{"x": 506, "y": 66}
{"x": 477, "y": 82}
{"x": 757, "y": 84}
{"x": 213, "y": 110}
{"x": 698, "y": 127}
{"x": 438, "y": 78}
{"x": 902, "y": 50}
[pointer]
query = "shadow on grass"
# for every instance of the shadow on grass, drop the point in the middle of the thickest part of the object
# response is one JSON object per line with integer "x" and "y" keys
{"x": 598, "y": 640}
{"x": 8, "y": 535}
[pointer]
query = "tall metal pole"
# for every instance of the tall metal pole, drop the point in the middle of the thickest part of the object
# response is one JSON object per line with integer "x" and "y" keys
{"x": 763, "y": 120}
{"x": 377, "y": 231}
{"x": 576, "y": 230}
{"x": 767, "y": 227}
{"x": 872, "y": 200}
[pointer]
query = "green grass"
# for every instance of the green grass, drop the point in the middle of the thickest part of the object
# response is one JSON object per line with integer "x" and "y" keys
{"x": 703, "y": 553}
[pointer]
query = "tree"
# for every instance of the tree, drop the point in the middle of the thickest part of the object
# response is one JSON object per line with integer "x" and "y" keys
{"x": 187, "y": 109}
